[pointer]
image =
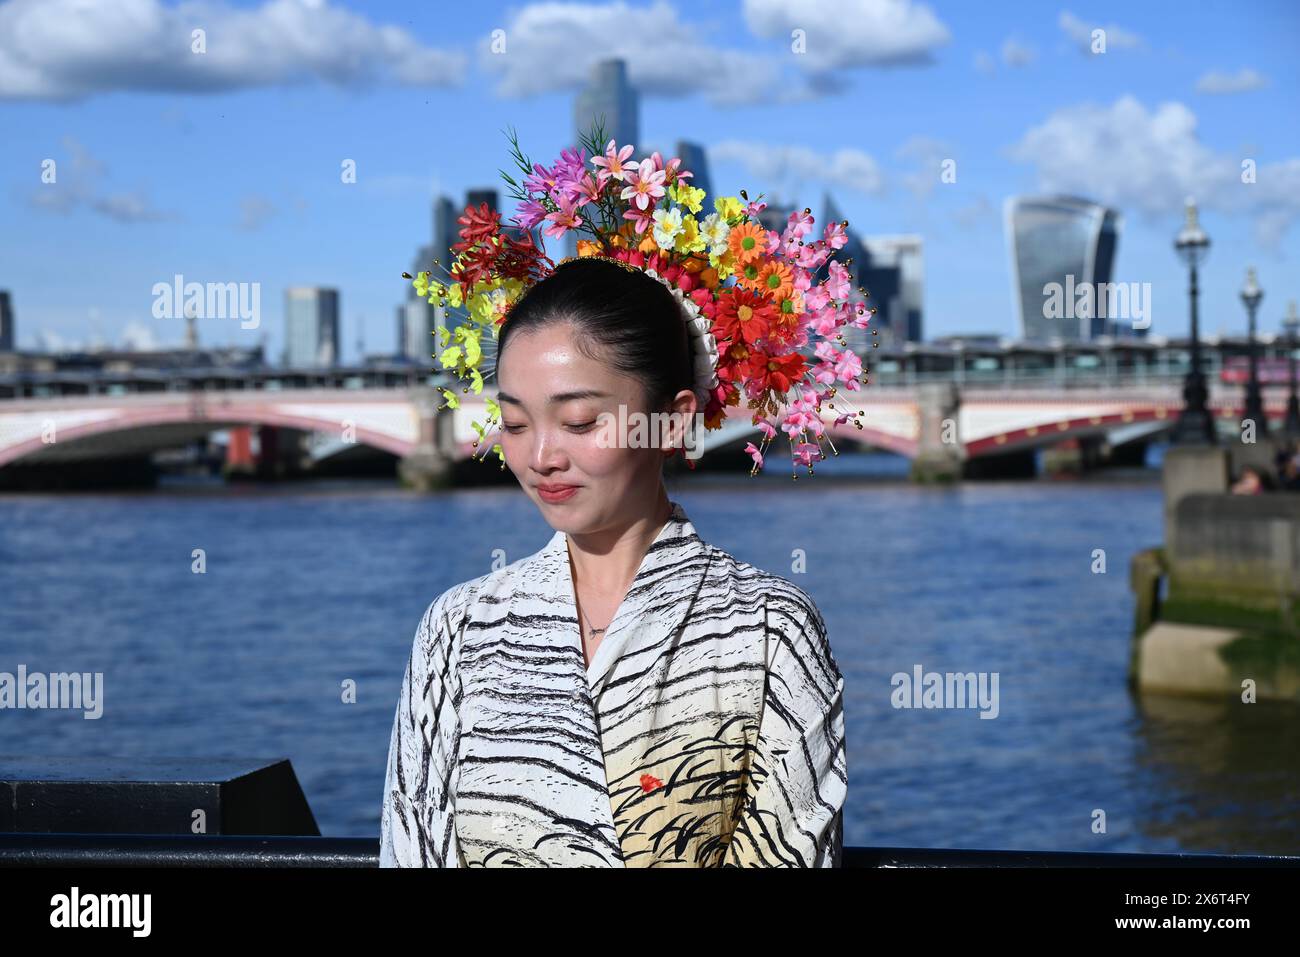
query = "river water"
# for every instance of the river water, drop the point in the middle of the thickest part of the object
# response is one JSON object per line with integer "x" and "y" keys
{"x": 308, "y": 586}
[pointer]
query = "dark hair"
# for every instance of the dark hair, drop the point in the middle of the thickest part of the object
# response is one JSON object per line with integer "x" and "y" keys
{"x": 632, "y": 315}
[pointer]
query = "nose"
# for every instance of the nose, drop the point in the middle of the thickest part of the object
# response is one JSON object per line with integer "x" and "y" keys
{"x": 548, "y": 453}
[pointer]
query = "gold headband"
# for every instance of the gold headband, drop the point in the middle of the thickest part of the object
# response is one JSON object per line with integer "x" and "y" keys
{"x": 609, "y": 259}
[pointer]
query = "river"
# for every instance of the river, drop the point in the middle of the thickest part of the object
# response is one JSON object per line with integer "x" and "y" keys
{"x": 309, "y": 585}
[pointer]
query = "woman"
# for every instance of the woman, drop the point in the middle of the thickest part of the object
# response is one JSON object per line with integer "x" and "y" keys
{"x": 629, "y": 695}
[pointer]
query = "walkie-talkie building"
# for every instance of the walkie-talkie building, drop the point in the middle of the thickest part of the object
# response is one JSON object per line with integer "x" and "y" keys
{"x": 1064, "y": 240}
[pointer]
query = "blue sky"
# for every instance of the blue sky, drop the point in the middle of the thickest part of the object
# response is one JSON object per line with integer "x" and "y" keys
{"x": 226, "y": 167}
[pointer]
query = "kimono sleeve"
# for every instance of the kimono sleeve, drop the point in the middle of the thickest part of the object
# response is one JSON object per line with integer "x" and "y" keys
{"x": 794, "y": 808}
{"x": 417, "y": 821}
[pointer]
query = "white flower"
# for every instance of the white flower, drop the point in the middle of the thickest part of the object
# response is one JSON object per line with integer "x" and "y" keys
{"x": 715, "y": 231}
{"x": 667, "y": 225}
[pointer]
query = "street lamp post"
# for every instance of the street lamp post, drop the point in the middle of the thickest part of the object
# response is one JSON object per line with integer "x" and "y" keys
{"x": 1194, "y": 425}
{"x": 1291, "y": 324}
{"x": 1251, "y": 294}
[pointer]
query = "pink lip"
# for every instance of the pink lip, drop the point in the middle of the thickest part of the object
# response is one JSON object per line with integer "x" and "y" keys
{"x": 556, "y": 493}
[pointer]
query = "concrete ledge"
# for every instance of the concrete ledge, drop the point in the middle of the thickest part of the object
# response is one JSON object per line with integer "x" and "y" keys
{"x": 1175, "y": 658}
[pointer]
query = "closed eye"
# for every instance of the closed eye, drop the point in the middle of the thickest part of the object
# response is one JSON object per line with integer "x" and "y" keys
{"x": 578, "y": 427}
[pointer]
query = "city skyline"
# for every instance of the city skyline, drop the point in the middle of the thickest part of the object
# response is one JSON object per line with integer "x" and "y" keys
{"x": 242, "y": 183}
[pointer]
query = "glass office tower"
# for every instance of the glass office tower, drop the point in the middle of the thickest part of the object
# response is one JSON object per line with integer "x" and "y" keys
{"x": 1064, "y": 240}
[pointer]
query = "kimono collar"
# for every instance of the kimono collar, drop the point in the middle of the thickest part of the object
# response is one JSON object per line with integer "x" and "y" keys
{"x": 656, "y": 603}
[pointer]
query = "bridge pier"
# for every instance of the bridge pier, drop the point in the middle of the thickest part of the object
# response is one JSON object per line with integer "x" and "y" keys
{"x": 1075, "y": 456}
{"x": 939, "y": 455}
{"x": 430, "y": 464}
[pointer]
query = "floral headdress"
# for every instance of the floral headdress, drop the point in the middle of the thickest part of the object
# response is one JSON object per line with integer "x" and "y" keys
{"x": 749, "y": 295}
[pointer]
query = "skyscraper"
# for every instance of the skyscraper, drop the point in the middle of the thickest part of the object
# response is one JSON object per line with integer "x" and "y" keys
{"x": 311, "y": 319}
{"x": 7, "y": 343}
{"x": 696, "y": 161}
{"x": 1064, "y": 240}
{"x": 892, "y": 271}
{"x": 611, "y": 100}
{"x": 895, "y": 279}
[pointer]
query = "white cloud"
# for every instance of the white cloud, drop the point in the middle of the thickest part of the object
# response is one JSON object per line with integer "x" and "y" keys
{"x": 1015, "y": 53}
{"x": 1080, "y": 33}
{"x": 1243, "y": 81}
{"x": 129, "y": 208}
{"x": 551, "y": 47}
{"x": 851, "y": 33}
{"x": 975, "y": 214}
{"x": 1130, "y": 157}
{"x": 76, "y": 184}
{"x": 928, "y": 155}
{"x": 137, "y": 335}
{"x": 69, "y": 49}
{"x": 254, "y": 210}
{"x": 790, "y": 166}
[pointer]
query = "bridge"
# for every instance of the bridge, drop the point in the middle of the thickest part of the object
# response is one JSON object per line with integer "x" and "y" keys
{"x": 982, "y": 427}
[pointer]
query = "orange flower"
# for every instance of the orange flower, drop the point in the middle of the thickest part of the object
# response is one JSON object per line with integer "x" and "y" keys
{"x": 747, "y": 242}
{"x": 775, "y": 279}
{"x": 588, "y": 247}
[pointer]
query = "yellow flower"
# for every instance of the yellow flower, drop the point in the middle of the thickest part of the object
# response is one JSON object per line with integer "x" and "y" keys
{"x": 687, "y": 195}
{"x": 689, "y": 239}
{"x": 729, "y": 208}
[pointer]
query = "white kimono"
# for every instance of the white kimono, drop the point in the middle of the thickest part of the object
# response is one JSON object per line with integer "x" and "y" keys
{"x": 708, "y": 731}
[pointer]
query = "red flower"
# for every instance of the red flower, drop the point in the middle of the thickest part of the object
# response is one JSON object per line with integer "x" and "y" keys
{"x": 776, "y": 372}
{"x": 743, "y": 315}
{"x": 477, "y": 226}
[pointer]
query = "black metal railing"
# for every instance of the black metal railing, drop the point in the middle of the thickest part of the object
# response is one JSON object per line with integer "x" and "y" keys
{"x": 224, "y": 850}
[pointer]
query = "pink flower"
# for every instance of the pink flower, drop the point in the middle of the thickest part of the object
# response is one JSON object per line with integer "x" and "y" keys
{"x": 837, "y": 281}
{"x": 529, "y": 214}
{"x": 541, "y": 180}
{"x": 614, "y": 164}
{"x": 767, "y": 428}
{"x": 806, "y": 451}
{"x": 644, "y": 218}
{"x": 562, "y": 220}
{"x": 754, "y": 454}
{"x": 671, "y": 171}
{"x": 835, "y": 235}
{"x": 586, "y": 190}
{"x": 646, "y": 184}
{"x": 798, "y": 226}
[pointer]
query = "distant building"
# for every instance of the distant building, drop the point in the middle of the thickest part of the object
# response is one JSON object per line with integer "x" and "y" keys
{"x": 1064, "y": 240}
{"x": 895, "y": 280}
{"x": 695, "y": 160}
{"x": 611, "y": 100}
{"x": 608, "y": 97}
{"x": 892, "y": 271}
{"x": 311, "y": 319}
{"x": 7, "y": 343}
{"x": 854, "y": 256}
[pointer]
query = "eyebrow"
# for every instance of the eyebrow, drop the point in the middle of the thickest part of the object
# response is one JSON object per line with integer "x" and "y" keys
{"x": 559, "y": 396}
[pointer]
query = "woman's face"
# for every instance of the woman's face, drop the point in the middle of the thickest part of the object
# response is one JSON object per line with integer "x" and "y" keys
{"x": 552, "y": 438}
